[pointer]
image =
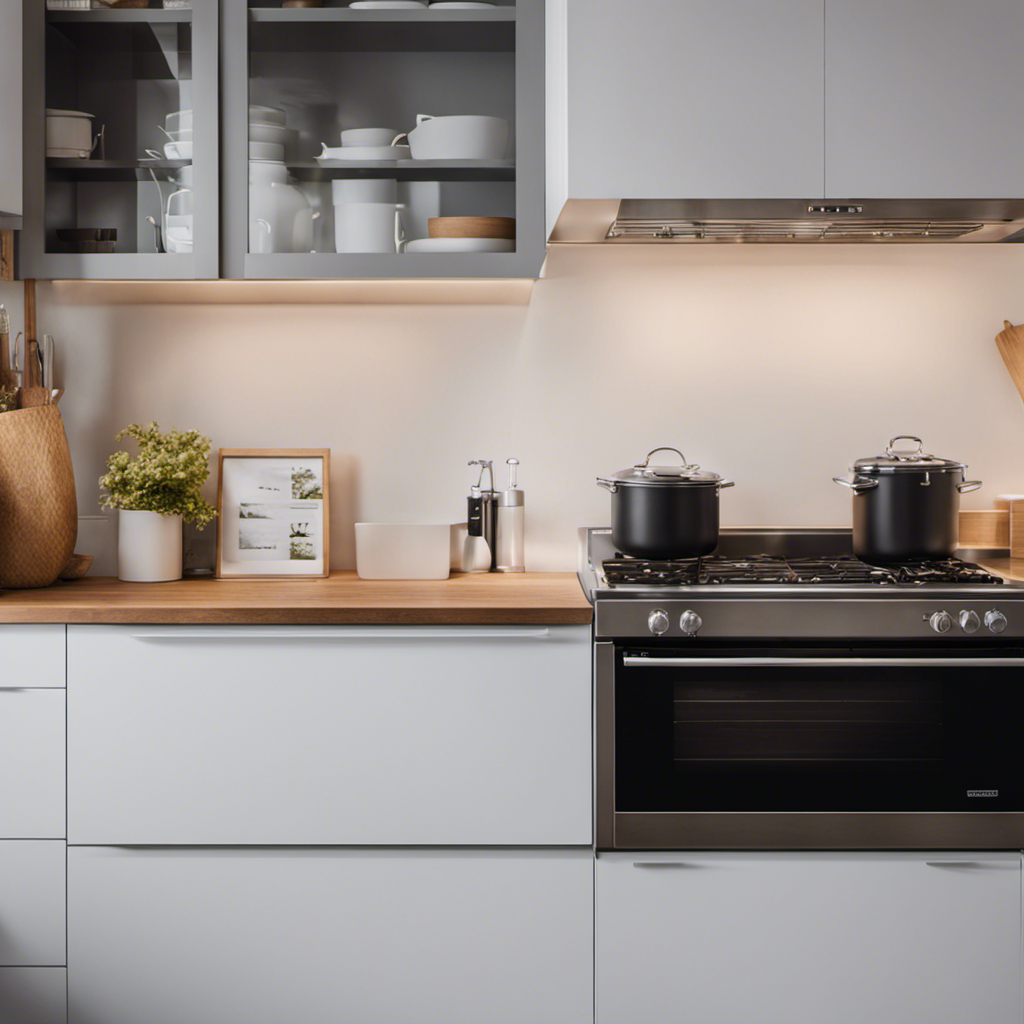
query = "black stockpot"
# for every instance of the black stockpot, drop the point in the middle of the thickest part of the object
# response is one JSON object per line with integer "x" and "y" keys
{"x": 661, "y": 512}
{"x": 906, "y": 504}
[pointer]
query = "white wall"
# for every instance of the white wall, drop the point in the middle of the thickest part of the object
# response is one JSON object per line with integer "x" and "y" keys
{"x": 774, "y": 366}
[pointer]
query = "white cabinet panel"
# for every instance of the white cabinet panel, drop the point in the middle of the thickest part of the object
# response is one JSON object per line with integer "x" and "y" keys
{"x": 923, "y": 99}
{"x": 31, "y": 764}
{"x": 32, "y": 656}
{"x": 676, "y": 99}
{"x": 33, "y": 995}
{"x": 10, "y": 108}
{"x": 807, "y": 938}
{"x": 32, "y": 903}
{"x": 330, "y": 936}
{"x": 428, "y": 736}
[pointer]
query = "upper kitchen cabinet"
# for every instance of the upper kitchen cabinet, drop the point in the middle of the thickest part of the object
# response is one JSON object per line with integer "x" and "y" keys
{"x": 923, "y": 99}
{"x": 685, "y": 98}
{"x": 10, "y": 115}
{"x": 304, "y": 201}
{"x": 121, "y": 142}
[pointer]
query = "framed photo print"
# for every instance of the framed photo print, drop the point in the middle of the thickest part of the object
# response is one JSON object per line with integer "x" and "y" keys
{"x": 273, "y": 509}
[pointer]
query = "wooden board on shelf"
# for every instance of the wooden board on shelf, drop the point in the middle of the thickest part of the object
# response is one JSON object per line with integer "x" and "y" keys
{"x": 985, "y": 528}
{"x": 6, "y": 255}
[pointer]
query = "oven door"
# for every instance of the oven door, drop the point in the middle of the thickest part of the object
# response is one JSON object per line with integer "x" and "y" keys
{"x": 800, "y": 749}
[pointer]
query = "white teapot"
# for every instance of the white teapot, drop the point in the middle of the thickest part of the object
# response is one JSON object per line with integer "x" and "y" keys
{"x": 280, "y": 217}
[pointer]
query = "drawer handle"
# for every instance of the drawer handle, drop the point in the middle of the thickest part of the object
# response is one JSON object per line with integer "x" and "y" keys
{"x": 385, "y": 633}
{"x": 970, "y": 864}
{"x": 645, "y": 864}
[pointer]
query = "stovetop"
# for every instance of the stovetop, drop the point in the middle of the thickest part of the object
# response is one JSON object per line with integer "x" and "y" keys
{"x": 796, "y": 584}
{"x": 762, "y": 570}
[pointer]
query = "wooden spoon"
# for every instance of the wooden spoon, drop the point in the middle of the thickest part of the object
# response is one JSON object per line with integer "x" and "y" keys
{"x": 1010, "y": 342}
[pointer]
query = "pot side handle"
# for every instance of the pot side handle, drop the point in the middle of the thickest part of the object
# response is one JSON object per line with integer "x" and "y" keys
{"x": 726, "y": 483}
{"x": 858, "y": 484}
{"x": 608, "y": 485}
{"x": 968, "y": 485}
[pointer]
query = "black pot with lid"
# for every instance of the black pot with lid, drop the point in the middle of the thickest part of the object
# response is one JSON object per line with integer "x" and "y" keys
{"x": 906, "y": 504}
{"x": 664, "y": 511}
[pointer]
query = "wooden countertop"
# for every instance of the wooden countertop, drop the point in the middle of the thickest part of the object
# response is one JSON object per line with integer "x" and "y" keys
{"x": 1008, "y": 568}
{"x": 534, "y": 598}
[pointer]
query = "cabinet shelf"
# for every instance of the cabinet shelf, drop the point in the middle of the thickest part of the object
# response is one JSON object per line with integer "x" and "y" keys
{"x": 408, "y": 170}
{"x": 109, "y": 170}
{"x": 132, "y": 16}
{"x": 341, "y": 29}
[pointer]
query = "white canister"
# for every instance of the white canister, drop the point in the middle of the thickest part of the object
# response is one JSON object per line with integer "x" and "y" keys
{"x": 69, "y": 131}
{"x": 364, "y": 190}
{"x": 148, "y": 547}
{"x": 368, "y": 227}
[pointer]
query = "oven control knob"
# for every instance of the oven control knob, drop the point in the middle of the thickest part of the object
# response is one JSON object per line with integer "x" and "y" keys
{"x": 941, "y": 622}
{"x": 657, "y": 621}
{"x": 996, "y": 621}
{"x": 690, "y": 622}
{"x": 969, "y": 621}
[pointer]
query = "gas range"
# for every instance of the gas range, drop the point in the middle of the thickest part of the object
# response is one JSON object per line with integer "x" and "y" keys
{"x": 769, "y": 583}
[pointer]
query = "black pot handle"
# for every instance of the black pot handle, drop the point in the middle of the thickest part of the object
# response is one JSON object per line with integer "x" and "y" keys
{"x": 968, "y": 485}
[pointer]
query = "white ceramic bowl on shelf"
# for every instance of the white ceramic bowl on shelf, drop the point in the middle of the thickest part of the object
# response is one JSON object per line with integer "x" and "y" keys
{"x": 403, "y": 551}
{"x": 364, "y": 153}
{"x": 263, "y": 132}
{"x": 461, "y": 245}
{"x": 459, "y": 137}
{"x": 267, "y": 115}
{"x": 266, "y": 151}
{"x": 368, "y": 136}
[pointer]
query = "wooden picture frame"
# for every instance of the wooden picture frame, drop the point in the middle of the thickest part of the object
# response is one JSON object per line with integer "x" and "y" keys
{"x": 260, "y": 494}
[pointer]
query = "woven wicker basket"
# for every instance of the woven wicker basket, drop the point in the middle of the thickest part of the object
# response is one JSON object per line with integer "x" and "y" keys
{"x": 38, "y": 508}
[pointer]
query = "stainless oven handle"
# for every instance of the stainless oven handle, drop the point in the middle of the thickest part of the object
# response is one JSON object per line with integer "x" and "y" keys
{"x": 634, "y": 662}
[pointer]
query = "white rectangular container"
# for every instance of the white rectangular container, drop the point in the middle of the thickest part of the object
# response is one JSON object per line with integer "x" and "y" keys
{"x": 403, "y": 551}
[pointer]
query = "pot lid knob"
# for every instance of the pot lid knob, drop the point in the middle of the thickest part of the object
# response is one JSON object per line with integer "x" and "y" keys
{"x": 904, "y": 454}
{"x": 686, "y": 469}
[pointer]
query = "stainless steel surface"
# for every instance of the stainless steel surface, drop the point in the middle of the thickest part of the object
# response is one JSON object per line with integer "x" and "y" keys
{"x": 770, "y": 662}
{"x": 780, "y": 221}
{"x": 510, "y": 523}
{"x": 895, "y": 460}
{"x": 643, "y": 474}
{"x": 857, "y": 484}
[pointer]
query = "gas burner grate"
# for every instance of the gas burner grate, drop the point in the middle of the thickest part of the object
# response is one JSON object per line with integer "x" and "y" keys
{"x": 766, "y": 569}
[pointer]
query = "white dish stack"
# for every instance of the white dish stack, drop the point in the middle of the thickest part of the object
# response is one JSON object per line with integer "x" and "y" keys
{"x": 367, "y": 214}
{"x": 176, "y": 213}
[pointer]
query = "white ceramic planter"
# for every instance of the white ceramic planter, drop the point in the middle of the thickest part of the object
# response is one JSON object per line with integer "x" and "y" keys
{"x": 148, "y": 547}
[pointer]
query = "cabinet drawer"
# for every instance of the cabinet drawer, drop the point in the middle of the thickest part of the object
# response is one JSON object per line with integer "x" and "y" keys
{"x": 32, "y": 656}
{"x": 807, "y": 938}
{"x": 32, "y": 932}
{"x": 323, "y": 936}
{"x": 33, "y": 995}
{"x": 32, "y": 764}
{"x": 411, "y": 736}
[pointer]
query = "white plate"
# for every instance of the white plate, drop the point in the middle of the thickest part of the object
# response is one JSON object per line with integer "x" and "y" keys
{"x": 386, "y": 5}
{"x": 460, "y": 5}
{"x": 364, "y": 153}
{"x": 261, "y": 132}
{"x": 267, "y": 115}
{"x": 461, "y": 245}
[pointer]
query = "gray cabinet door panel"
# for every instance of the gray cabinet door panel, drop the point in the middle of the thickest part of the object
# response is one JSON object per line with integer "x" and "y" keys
{"x": 226, "y": 936}
{"x": 33, "y": 995}
{"x": 923, "y": 99}
{"x": 10, "y": 108}
{"x": 32, "y": 903}
{"x": 809, "y": 938}
{"x": 684, "y": 99}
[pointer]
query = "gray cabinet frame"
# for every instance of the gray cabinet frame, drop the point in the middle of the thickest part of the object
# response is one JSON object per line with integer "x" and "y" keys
{"x": 204, "y": 262}
{"x": 531, "y": 246}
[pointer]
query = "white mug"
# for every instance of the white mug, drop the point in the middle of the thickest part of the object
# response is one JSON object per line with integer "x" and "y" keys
{"x": 368, "y": 227}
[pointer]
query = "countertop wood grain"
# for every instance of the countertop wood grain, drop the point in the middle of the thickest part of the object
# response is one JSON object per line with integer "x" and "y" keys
{"x": 537, "y": 598}
{"x": 1008, "y": 568}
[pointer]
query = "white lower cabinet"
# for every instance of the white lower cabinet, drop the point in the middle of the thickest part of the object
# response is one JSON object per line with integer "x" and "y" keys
{"x": 32, "y": 763}
{"x": 375, "y": 736}
{"x": 808, "y": 938}
{"x": 33, "y": 995}
{"x": 226, "y": 936}
{"x": 32, "y": 903}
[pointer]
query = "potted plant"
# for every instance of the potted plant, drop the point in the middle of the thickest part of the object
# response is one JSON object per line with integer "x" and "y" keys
{"x": 154, "y": 492}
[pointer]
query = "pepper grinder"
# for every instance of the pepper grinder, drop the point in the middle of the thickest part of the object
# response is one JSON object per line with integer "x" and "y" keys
{"x": 511, "y": 525}
{"x": 481, "y": 552}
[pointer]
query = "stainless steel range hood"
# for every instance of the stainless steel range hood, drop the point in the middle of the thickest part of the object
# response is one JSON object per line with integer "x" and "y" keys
{"x": 663, "y": 221}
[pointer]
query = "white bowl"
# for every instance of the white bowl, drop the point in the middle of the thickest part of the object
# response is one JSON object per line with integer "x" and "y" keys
{"x": 369, "y": 136}
{"x": 178, "y": 121}
{"x": 178, "y": 150}
{"x": 460, "y": 137}
{"x": 267, "y": 115}
{"x": 364, "y": 153}
{"x": 263, "y": 132}
{"x": 461, "y": 245}
{"x": 266, "y": 151}
{"x": 459, "y": 5}
{"x": 266, "y": 172}
{"x": 364, "y": 190}
{"x": 403, "y": 551}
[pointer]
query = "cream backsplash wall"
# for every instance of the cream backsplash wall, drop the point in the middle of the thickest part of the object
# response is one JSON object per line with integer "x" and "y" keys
{"x": 774, "y": 366}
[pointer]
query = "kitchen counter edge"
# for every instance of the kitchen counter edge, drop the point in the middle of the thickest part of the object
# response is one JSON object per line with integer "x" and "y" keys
{"x": 484, "y": 599}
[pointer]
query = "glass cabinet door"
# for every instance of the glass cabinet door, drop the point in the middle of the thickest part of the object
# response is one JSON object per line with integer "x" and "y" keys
{"x": 385, "y": 142}
{"x": 122, "y": 142}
